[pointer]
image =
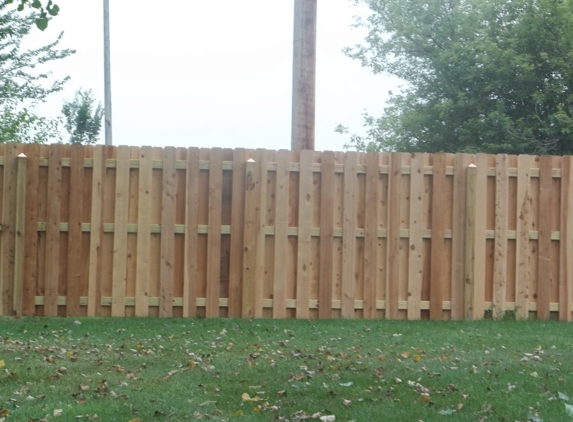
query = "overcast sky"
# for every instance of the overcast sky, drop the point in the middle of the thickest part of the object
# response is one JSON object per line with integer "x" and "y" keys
{"x": 213, "y": 73}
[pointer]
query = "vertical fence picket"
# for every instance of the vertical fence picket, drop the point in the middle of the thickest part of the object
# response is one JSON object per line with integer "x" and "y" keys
{"x": 214, "y": 232}
{"x": 281, "y": 234}
{"x": 393, "y": 234}
{"x": 478, "y": 304}
{"x": 31, "y": 238}
{"x": 470, "y": 236}
{"x": 8, "y": 228}
{"x": 439, "y": 264}
{"x": 544, "y": 270}
{"x": 415, "y": 260}
{"x": 349, "y": 235}
{"x": 501, "y": 223}
{"x": 167, "y": 262}
{"x": 566, "y": 241}
{"x": 304, "y": 262}
{"x": 96, "y": 232}
{"x": 522, "y": 237}
{"x": 461, "y": 163}
{"x": 53, "y": 231}
{"x": 191, "y": 236}
{"x": 371, "y": 206}
{"x": 19, "y": 233}
{"x": 143, "y": 231}
{"x": 120, "y": 232}
{"x": 75, "y": 231}
{"x": 251, "y": 239}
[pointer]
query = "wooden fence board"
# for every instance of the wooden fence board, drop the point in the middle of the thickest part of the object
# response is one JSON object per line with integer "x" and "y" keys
{"x": 349, "y": 235}
{"x": 192, "y": 237}
{"x": 478, "y": 304}
{"x": 415, "y": 259}
{"x": 461, "y": 163}
{"x": 304, "y": 262}
{"x": 19, "y": 233}
{"x": 119, "y": 273}
{"x": 7, "y": 236}
{"x": 522, "y": 237}
{"x": 501, "y": 223}
{"x": 566, "y": 241}
{"x": 53, "y": 231}
{"x": 439, "y": 211}
{"x": 262, "y": 157}
{"x": 74, "y": 280}
{"x": 371, "y": 205}
{"x": 143, "y": 231}
{"x": 214, "y": 233}
{"x": 31, "y": 240}
{"x": 281, "y": 236}
{"x": 393, "y": 235}
{"x": 544, "y": 275}
{"x": 237, "y": 221}
{"x": 166, "y": 270}
{"x": 96, "y": 234}
{"x": 251, "y": 239}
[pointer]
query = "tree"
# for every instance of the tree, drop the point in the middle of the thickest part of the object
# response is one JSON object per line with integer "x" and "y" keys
{"x": 22, "y": 84}
{"x": 82, "y": 121}
{"x": 480, "y": 75}
{"x": 42, "y": 16}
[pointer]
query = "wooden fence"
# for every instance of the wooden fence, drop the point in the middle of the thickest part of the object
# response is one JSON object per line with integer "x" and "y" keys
{"x": 137, "y": 231}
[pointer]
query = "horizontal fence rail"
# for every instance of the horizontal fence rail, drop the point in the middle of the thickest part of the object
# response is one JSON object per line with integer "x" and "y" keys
{"x": 146, "y": 231}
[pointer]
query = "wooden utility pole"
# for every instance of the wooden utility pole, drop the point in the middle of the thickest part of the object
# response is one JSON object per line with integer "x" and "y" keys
{"x": 107, "y": 73}
{"x": 304, "y": 74}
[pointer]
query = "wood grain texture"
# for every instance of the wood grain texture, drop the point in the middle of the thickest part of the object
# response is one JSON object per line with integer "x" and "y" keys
{"x": 544, "y": 274}
{"x": 393, "y": 235}
{"x": 214, "y": 234}
{"x": 566, "y": 241}
{"x": 470, "y": 236}
{"x": 167, "y": 262}
{"x": 461, "y": 163}
{"x": 96, "y": 233}
{"x": 19, "y": 234}
{"x": 119, "y": 273}
{"x": 415, "y": 242}
{"x": 372, "y": 204}
{"x": 501, "y": 223}
{"x": 7, "y": 236}
{"x": 349, "y": 235}
{"x": 53, "y": 231}
{"x": 74, "y": 281}
{"x": 237, "y": 222}
{"x": 304, "y": 262}
{"x": 31, "y": 237}
{"x": 192, "y": 236}
{"x": 522, "y": 253}
{"x": 478, "y": 296}
{"x": 143, "y": 232}
{"x": 439, "y": 211}
{"x": 251, "y": 239}
{"x": 281, "y": 234}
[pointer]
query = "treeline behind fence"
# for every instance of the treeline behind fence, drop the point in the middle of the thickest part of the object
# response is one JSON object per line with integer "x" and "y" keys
{"x": 138, "y": 231}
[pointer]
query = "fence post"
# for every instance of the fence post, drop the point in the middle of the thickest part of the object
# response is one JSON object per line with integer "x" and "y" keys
{"x": 251, "y": 238}
{"x": 470, "y": 235}
{"x": 19, "y": 233}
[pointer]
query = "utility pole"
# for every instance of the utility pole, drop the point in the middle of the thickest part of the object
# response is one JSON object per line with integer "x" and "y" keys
{"x": 304, "y": 75}
{"x": 107, "y": 74}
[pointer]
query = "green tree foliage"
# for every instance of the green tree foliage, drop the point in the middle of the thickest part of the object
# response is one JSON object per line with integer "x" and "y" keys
{"x": 23, "y": 85}
{"x": 83, "y": 122}
{"x": 480, "y": 75}
{"x": 42, "y": 14}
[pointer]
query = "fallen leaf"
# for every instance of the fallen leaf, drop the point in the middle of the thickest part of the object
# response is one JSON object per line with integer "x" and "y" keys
{"x": 569, "y": 409}
{"x": 327, "y": 418}
{"x": 2, "y": 364}
{"x": 382, "y": 358}
{"x": 563, "y": 396}
{"x": 238, "y": 413}
{"x": 424, "y": 398}
{"x": 347, "y": 402}
{"x": 417, "y": 358}
{"x": 346, "y": 384}
{"x": 247, "y": 397}
{"x": 58, "y": 412}
{"x": 406, "y": 355}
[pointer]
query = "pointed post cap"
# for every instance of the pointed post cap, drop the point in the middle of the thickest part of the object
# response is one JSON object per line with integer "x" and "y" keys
{"x": 472, "y": 166}
{"x": 250, "y": 160}
{"x": 22, "y": 155}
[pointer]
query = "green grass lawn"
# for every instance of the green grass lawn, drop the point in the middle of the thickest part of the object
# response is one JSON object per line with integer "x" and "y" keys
{"x": 225, "y": 369}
